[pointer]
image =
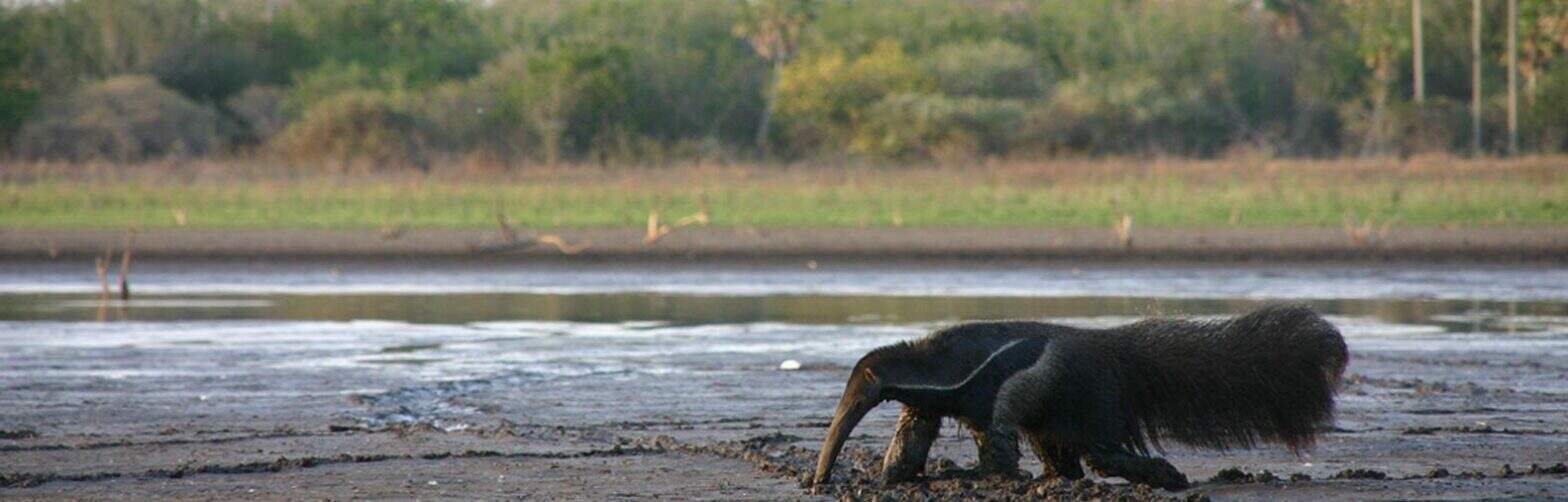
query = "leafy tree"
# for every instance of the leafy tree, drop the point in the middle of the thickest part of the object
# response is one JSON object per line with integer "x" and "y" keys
{"x": 427, "y": 40}
{"x": 1380, "y": 31}
{"x": 17, "y": 93}
{"x": 774, "y": 29}
{"x": 1543, "y": 36}
{"x": 823, "y": 99}
{"x": 230, "y": 57}
{"x": 993, "y": 69}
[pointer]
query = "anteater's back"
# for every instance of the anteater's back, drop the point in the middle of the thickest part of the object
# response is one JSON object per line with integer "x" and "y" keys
{"x": 1270, "y": 375}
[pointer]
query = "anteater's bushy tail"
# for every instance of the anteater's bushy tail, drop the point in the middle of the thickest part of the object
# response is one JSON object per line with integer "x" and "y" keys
{"x": 1268, "y": 376}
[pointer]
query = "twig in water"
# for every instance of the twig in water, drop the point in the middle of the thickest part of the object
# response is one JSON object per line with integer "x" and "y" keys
{"x": 507, "y": 234}
{"x": 561, "y": 244}
{"x": 655, "y": 230}
{"x": 1361, "y": 232}
{"x": 528, "y": 242}
{"x": 125, "y": 265}
{"x": 1124, "y": 231}
{"x": 391, "y": 231}
{"x": 102, "y": 263}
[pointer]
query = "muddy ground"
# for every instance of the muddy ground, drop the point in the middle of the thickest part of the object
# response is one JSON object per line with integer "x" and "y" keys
{"x": 1413, "y": 424}
{"x": 1475, "y": 244}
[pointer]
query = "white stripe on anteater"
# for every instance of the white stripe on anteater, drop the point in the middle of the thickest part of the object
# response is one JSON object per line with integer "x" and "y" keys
{"x": 972, "y": 374}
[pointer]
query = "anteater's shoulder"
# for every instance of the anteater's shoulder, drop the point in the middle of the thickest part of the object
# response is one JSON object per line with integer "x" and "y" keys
{"x": 994, "y": 330}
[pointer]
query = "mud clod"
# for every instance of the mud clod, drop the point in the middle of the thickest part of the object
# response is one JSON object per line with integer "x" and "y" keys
{"x": 18, "y": 434}
{"x": 1235, "y": 475}
{"x": 1359, "y": 474}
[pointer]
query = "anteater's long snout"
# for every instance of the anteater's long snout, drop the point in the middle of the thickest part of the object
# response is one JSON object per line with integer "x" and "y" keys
{"x": 859, "y": 398}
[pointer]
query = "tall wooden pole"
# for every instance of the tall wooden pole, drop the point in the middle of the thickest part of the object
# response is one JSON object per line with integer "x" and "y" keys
{"x": 1419, "y": 72}
{"x": 1475, "y": 76}
{"x": 1513, "y": 77}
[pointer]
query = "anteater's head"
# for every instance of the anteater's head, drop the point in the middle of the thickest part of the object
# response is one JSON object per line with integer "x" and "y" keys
{"x": 861, "y": 393}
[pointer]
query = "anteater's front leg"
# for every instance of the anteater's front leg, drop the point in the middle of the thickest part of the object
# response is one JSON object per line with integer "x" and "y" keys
{"x": 1059, "y": 458}
{"x": 906, "y": 455}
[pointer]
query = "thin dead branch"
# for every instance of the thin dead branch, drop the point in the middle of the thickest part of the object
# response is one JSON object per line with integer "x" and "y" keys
{"x": 125, "y": 265}
{"x": 507, "y": 234}
{"x": 1123, "y": 230}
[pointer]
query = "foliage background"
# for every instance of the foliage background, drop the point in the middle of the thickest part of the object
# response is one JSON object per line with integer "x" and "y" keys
{"x": 374, "y": 84}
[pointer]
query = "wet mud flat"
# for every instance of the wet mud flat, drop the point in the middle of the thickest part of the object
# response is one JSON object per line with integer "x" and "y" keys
{"x": 1413, "y": 424}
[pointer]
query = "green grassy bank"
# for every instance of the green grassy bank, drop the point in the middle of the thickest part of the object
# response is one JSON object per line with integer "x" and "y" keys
{"x": 1175, "y": 194}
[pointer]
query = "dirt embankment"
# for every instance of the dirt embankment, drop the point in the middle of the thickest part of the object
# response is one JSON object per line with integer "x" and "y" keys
{"x": 1510, "y": 244}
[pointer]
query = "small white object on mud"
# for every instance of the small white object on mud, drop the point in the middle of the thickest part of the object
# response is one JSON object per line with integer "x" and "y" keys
{"x": 789, "y": 365}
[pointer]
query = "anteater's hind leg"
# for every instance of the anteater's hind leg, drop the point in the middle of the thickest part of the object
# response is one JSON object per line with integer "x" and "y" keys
{"x": 998, "y": 448}
{"x": 1118, "y": 462}
{"x": 906, "y": 455}
{"x": 1059, "y": 458}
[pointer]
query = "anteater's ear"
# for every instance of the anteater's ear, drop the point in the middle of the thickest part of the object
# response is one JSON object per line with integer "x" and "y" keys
{"x": 869, "y": 376}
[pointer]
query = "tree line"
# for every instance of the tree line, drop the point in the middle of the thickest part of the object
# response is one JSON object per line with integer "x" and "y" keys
{"x": 408, "y": 82}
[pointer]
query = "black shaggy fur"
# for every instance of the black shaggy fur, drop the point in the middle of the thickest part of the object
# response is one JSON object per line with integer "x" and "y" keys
{"x": 1104, "y": 396}
{"x": 1266, "y": 376}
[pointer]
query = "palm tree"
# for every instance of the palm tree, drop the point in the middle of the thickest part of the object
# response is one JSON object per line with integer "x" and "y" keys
{"x": 773, "y": 27}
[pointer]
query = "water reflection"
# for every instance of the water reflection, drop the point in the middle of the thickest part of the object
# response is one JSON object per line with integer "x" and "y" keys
{"x": 1452, "y": 315}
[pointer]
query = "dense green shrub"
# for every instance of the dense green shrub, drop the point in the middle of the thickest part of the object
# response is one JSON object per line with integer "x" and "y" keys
{"x": 991, "y": 69}
{"x": 231, "y": 57}
{"x": 17, "y": 95}
{"x": 936, "y": 126}
{"x": 356, "y": 130}
{"x": 259, "y": 111}
{"x": 332, "y": 78}
{"x": 1408, "y": 129}
{"x": 123, "y": 118}
{"x": 1545, "y": 111}
{"x": 822, "y": 99}
{"x": 426, "y": 40}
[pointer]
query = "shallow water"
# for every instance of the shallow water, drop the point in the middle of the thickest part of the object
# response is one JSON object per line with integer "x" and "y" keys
{"x": 446, "y": 322}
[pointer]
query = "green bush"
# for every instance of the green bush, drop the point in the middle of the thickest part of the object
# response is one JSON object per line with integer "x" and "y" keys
{"x": 934, "y": 126}
{"x": 332, "y": 78}
{"x": 568, "y": 100}
{"x": 1545, "y": 112}
{"x": 356, "y": 130}
{"x": 1440, "y": 125}
{"x": 426, "y": 40}
{"x": 991, "y": 69}
{"x": 822, "y": 99}
{"x": 17, "y": 95}
{"x": 231, "y": 57}
{"x": 259, "y": 111}
{"x": 1126, "y": 114}
{"x": 123, "y": 118}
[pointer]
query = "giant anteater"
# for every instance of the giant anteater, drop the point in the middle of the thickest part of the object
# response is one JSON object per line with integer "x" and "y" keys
{"x": 1103, "y": 396}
